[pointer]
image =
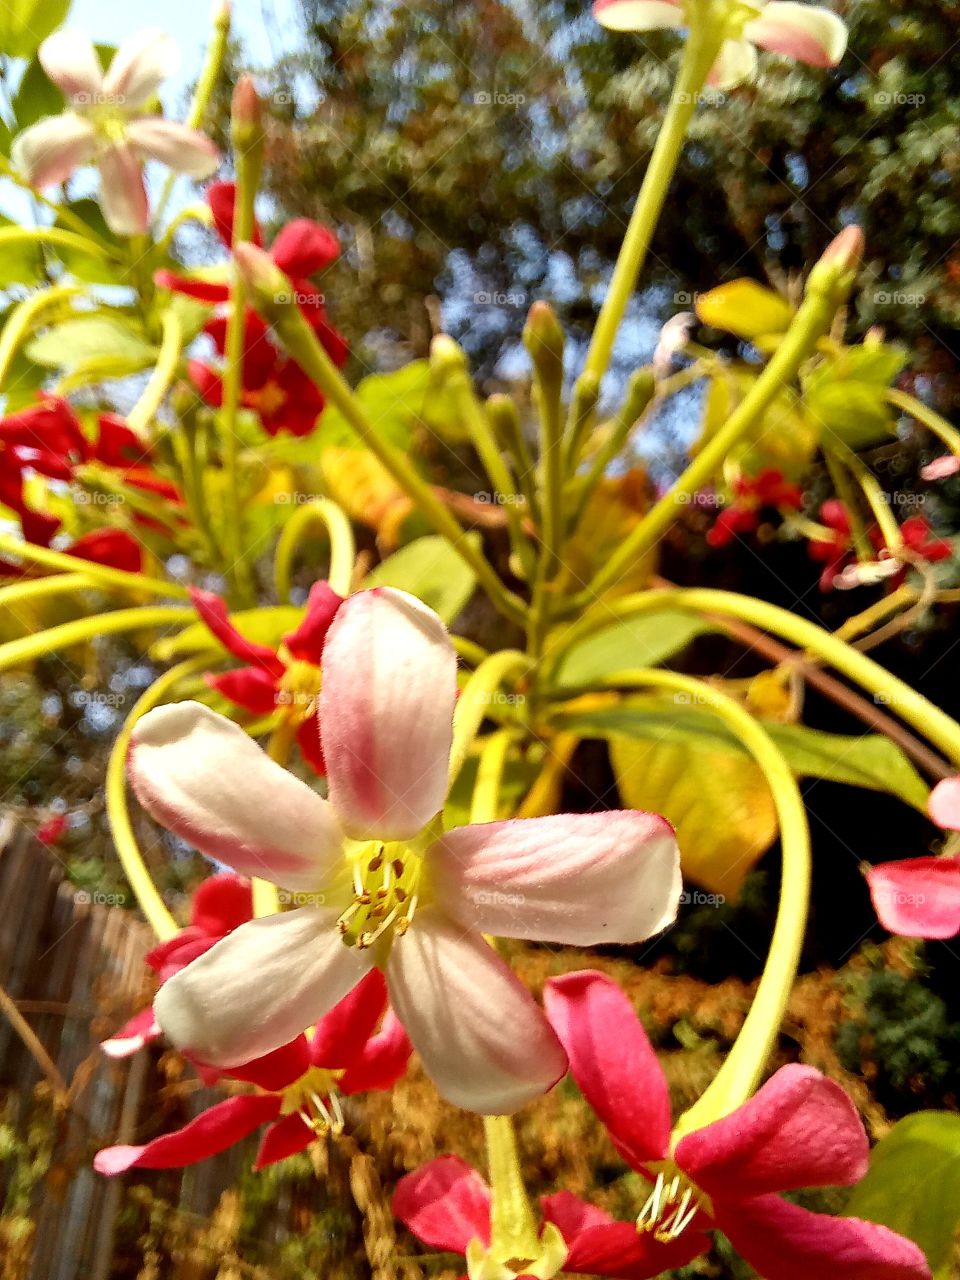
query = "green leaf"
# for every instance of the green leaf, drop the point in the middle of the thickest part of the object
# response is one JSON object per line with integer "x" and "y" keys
{"x": 36, "y": 97}
{"x": 89, "y": 267}
{"x": 430, "y": 569}
{"x": 112, "y": 347}
{"x": 21, "y": 261}
{"x": 392, "y": 402}
{"x": 847, "y": 395}
{"x": 635, "y": 642}
{"x": 267, "y": 625}
{"x": 913, "y": 1185}
{"x": 25, "y": 24}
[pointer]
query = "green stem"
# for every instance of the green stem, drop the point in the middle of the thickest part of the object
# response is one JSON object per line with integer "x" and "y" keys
{"x": 171, "y": 345}
{"x": 927, "y": 417}
{"x": 699, "y": 51}
{"x": 485, "y": 802}
{"x": 846, "y": 492}
{"x": 101, "y": 574}
{"x": 67, "y": 634}
{"x": 342, "y": 548}
{"x": 874, "y": 495}
{"x": 513, "y": 1228}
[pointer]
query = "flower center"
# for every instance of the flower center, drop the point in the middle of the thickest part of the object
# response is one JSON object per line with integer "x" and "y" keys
{"x": 670, "y": 1207}
{"x": 299, "y": 686}
{"x": 314, "y": 1099}
{"x": 385, "y": 894}
{"x": 270, "y": 399}
{"x": 551, "y": 1254}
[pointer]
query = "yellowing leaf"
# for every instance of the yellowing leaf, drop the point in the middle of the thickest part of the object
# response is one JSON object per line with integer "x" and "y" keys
{"x": 614, "y": 509}
{"x": 745, "y": 309}
{"x": 718, "y": 802}
{"x": 366, "y": 491}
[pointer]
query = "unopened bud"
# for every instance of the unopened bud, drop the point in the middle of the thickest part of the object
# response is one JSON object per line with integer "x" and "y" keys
{"x": 446, "y": 355}
{"x": 246, "y": 116}
{"x": 270, "y": 290}
{"x": 839, "y": 263}
{"x": 544, "y": 339}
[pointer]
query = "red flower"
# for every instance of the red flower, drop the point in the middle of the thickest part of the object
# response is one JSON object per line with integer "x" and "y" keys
{"x": 114, "y": 548}
{"x": 446, "y": 1204}
{"x": 300, "y": 1085}
{"x": 920, "y": 897}
{"x": 287, "y": 679}
{"x": 799, "y": 1130}
{"x": 769, "y": 488}
{"x": 50, "y": 831}
{"x": 220, "y": 904}
{"x": 919, "y": 538}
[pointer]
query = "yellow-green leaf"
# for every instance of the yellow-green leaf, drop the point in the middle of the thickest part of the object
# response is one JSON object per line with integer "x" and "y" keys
{"x": 746, "y": 309}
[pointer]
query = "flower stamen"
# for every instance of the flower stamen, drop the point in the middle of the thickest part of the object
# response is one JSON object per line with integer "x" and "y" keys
{"x": 670, "y": 1208}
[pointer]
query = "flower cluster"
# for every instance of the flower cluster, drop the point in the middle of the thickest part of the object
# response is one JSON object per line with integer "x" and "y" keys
{"x": 752, "y": 495}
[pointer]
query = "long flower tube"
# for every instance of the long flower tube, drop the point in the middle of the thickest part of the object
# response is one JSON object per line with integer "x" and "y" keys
{"x": 925, "y": 716}
{"x": 473, "y": 704}
{"x": 27, "y": 648}
{"x": 325, "y": 512}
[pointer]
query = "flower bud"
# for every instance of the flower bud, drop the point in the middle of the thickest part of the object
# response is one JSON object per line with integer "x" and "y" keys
{"x": 246, "y": 116}
{"x": 270, "y": 290}
{"x": 445, "y": 355}
{"x": 544, "y": 339}
{"x": 838, "y": 265}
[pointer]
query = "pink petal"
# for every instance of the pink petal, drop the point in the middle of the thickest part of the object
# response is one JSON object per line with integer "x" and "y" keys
{"x": 277, "y": 1070}
{"x": 251, "y": 688}
{"x": 139, "y": 67}
{"x": 386, "y": 713}
{"x": 214, "y": 613}
{"x": 287, "y": 1137}
{"x": 638, "y": 15}
{"x": 49, "y": 151}
{"x": 199, "y": 775}
{"x": 382, "y": 1061}
{"x": 804, "y": 31}
{"x": 306, "y": 643}
{"x": 179, "y": 147}
{"x": 446, "y": 1204}
{"x": 941, "y": 468}
{"x": 310, "y": 744}
{"x": 123, "y": 197}
{"x": 481, "y": 1036}
{"x": 192, "y": 286}
{"x": 132, "y": 1036}
{"x": 799, "y": 1130}
{"x": 943, "y": 805}
{"x": 260, "y": 987}
{"x": 918, "y": 897}
{"x": 303, "y": 247}
{"x": 571, "y": 1215}
{"x": 213, "y": 1131}
{"x": 613, "y": 1062}
{"x": 340, "y": 1035}
{"x": 784, "y": 1242}
{"x": 71, "y": 62}
{"x": 582, "y": 878}
{"x": 617, "y": 1249}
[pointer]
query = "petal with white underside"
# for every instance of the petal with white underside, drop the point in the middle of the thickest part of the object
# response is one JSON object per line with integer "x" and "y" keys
{"x": 386, "y": 713}
{"x": 581, "y": 879}
{"x": 140, "y": 65}
{"x": 638, "y": 15}
{"x": 735, "y": 64}
{"x": 203, "y": 778}
{"x": 123, "y": 197}
{"x": 260, "y": 987}
{"x": 803, "y": 31}
{"x": 482, "y": 1037}
{"x": 71, "y": 62}
{"x": 176, "y": 145}
{"x": 944, "y": 804}
{"x": 49, "y": 151}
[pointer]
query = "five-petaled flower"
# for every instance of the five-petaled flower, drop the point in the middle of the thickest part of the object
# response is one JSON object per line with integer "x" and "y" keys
{"x": 104, "y": 124}
{"x": 383, "y": 885}
{"x": 447, "y": 1205}
{"x": 920, "y": 897}
{"x": 751, "y": 494}
{"x": 805, "y": 32}
{"x": 799, "y": 1130}
{"x": 299, "y": 1086}
{"x": 286, "y": 680}
{"x": 219, "y": 905}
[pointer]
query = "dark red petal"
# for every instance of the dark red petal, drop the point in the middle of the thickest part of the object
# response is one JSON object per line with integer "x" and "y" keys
{"x": 117, "y": 446}
{"x": 249, "y": 687}
{"x": 287, "y": 1137}
{"x": 213, "y": 1131}
{"x": 207, "y": 381}
{"x": 202, "y": 290}
{"x": 221, "y": 197}
{"x": 222, "y": 903}
{"x": 799, "y": 1130}
{"x": 446, "y": 1204}
{"x": 306, "y": 643}
{"x": 43, "y": 461}
{"x": 340, "y": 1035}
{"x": 213, "y": 612}
{"x": 618, "y": 1249}
{"x": 277, "y": 1070}
{"x": 112, "y": 547}
{"x": 311, "y": 744}
{"x": 382, "y": 1061}
{"x": 613, "y": 1062}
{"x": 304, "y": 247}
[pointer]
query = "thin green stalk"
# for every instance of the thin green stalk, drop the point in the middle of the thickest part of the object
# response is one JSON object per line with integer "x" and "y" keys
{"x": 171, "y": 346}
{"x": 103, "y": 575}
{"x": 927, "y": 417}
{"x": 846, "y": 491}
{"x": 513, "y": 1228}
{"x": 325, "y": 512}
{"x": 67, "y": 634}
{"x": 873, "y": 493}
{"x": 475, "y": 699}
{"x": 485, "y": 802}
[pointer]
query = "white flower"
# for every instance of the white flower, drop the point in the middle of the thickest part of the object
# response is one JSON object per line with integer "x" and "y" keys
{"x": 104, "y": 125}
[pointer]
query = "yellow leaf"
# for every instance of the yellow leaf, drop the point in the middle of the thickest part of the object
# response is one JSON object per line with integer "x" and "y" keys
{"x": 718, "y": 802}
{"x": 746, "y": 309}
{"x": 366, "y": 491}
{"x": 614, "y": 509}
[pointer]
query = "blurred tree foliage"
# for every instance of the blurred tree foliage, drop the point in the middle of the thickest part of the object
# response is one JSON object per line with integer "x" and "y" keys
{"x": 491, "y": 152}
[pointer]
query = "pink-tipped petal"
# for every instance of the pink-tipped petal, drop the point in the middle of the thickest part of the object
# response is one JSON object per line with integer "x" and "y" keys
{"x": 303, "y": 247}
{"x": 446, "y": 1204}
{"x": 382, "y": 1061}
{"x": 918, "y": 897}
{"x": 71, "y": 62}
{"x": 638, "y": 15}
{"x": 735, "y": 64}
{"x": 215, "y": 615}
{"x": 581, "y": 879}
{"x": 139, "y": 67}
{"x": 251, "y": 688}
{"x": 943, "y": 805}
{"x": 311, "y": 744}
{"x": 179, "y": 147}
{"x": 481, "y": 1036}
{"x": 941, "y": 468}
{"x": 200, "y": 776}
{"x": 784, "y": 1242}
{"x": 803, "y": 31}
{"x": 287, "y": 1137}
{"x": 613, "y": 1062}
{"x": 306, "y": 643}
{"x": 213, "y": 1131}
{"x": 799, "y": 1130}
{"x": 340, "y": 1035}
{"x": 123, "y": 196}
{"x": 386, "y": 713}
{"x": 49, "y": 151}
{"x": 139, "y": 1031}
{"x": 260, "y": 987}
